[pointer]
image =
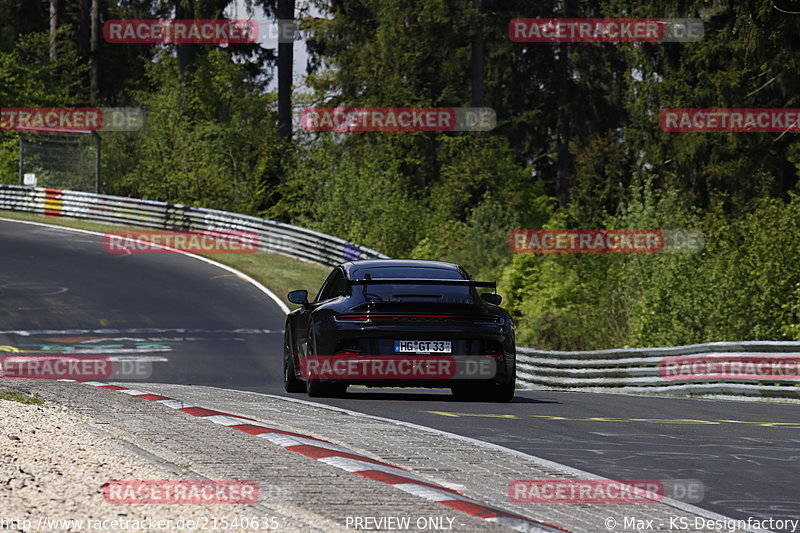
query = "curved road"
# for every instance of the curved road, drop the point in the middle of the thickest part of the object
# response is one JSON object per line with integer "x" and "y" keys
{"x": 59, "y": 291}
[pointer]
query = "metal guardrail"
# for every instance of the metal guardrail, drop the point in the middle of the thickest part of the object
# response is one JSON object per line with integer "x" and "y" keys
{"x": 626, "y": 370}
{"x": 638, "y": 370}
{"x": 277, "y": 237}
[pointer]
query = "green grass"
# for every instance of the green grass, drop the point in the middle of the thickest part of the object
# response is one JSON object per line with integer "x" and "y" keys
{"x": 13, "y": 396}
{"x": 277, "y": 272}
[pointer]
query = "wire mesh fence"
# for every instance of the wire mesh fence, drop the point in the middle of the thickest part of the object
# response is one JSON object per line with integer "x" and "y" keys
{"x": 60, "y": 159}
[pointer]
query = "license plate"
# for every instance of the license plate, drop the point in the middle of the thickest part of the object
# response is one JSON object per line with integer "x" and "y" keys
{"x": 423, "y": 346}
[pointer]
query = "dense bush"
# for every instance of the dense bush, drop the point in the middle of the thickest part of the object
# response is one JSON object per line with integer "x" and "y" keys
{"x": 744, "y": 285}
{"x": 356, "y": 197}
{"x": 28, "y": 78}
{"x": 209, "y": 140}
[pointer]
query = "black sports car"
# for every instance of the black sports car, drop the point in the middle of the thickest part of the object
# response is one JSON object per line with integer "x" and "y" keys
{"x": 407, "y": 323}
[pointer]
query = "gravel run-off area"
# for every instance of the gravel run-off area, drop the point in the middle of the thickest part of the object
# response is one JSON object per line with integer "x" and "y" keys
{"x": 53, "y": 464}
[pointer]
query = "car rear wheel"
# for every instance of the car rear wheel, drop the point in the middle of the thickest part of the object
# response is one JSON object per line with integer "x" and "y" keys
{"x": 499, "y": 393}
{"x": 323, "y": 389}
{"x": 461, "y": 392}
{"x": 290, "y": 381}
{"x": 490, "y": 392}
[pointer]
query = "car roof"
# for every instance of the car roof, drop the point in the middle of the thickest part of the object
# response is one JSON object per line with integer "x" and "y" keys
{"x": 352, "y": 267}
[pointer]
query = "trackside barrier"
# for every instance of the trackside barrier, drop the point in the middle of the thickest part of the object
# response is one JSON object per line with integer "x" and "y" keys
{"x": 276, "y": 237}
{"x": 637, "y": 370}
{"x": 626, "y": 370}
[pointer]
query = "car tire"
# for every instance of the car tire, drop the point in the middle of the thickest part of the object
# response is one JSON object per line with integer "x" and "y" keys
{"x": 290, "y": 381}
{"x": 322, "y": 389}
{"x": 500, "y": 393}
{"x": 486, "y": 393}
{"x": 462, "y": 393}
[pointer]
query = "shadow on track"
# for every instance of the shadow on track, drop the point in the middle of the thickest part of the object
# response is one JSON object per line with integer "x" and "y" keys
{"x": 443, "y": 396}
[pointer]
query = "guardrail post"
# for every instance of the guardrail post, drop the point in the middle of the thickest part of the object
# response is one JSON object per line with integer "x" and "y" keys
{"x": 96, "y": 163}
{"x": 21, "y": 159}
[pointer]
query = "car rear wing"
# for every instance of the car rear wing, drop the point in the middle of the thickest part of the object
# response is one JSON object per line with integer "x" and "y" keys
{"x": 411, "y": 281}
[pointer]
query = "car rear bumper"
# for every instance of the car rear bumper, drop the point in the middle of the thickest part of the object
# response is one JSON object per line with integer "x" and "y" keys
{"x": 432, "y": 371}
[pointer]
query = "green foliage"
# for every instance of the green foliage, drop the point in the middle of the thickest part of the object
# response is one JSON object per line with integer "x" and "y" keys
{"x": 747, "y": 59}
{"x": 29, "y": 78}
{"x": 563, "y": 301}
{"x": 14, "y": 396}
{"x": 647, "y": 286}
{"x": 210, "y": 141}
{"x": 355, "y": 197}
{"x": 398, "y": 52}
{"x": 744, "y": 285}
{"x": 9, "y": 158}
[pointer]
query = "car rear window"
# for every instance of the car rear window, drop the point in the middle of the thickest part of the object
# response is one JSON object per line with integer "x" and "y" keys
{"x": 414, "y": 292}
{"x": 408, "y": 272}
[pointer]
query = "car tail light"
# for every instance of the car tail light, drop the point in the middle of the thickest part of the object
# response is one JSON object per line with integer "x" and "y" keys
{"x": 415, "y": 316}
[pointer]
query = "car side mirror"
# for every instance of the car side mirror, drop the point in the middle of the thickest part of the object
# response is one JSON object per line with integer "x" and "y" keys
{"x": 492, "y": 298}
{"x": 298, "y": 297}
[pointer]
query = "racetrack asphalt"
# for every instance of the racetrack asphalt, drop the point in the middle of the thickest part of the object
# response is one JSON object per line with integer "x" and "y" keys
{"x": 60, "y": 292}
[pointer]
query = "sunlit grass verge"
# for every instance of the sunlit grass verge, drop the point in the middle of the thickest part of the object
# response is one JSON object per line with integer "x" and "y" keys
{"x": 13, "y": 396}
{"x": 277, "y": 272}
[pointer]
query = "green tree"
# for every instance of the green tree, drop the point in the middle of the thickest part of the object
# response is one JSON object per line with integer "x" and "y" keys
{"x": 210, "y": 141}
